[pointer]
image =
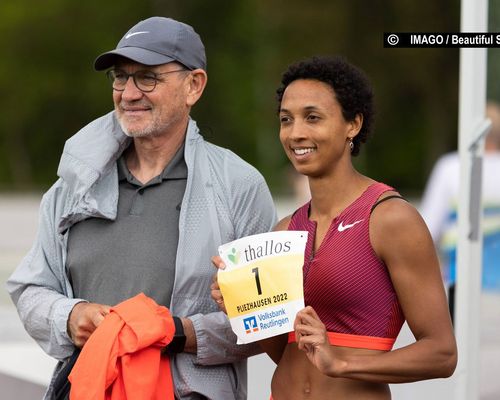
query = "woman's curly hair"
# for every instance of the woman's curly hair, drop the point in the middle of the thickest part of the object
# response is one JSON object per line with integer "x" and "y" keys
{"x": 350, "y": 85}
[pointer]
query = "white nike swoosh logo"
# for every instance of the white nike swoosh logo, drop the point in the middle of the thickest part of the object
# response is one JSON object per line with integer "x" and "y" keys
{"x": 343, "y": 227}
{"x": 129, "y": 35}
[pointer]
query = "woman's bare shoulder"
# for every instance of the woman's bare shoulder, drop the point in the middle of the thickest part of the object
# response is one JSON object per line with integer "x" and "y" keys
{"x": 282, "y": 225}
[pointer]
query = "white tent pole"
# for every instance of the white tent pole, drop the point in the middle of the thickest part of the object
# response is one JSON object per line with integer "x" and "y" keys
{"x": 471, "y": 128}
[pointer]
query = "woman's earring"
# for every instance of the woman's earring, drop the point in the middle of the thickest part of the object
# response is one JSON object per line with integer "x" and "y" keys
{"x": 351, "y": 144}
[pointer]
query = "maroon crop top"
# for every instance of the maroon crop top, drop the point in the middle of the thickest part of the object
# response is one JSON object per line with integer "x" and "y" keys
{"x": 345, "y": 282}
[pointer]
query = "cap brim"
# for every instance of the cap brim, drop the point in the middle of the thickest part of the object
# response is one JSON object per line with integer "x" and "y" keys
{"x": 137, "y": 54}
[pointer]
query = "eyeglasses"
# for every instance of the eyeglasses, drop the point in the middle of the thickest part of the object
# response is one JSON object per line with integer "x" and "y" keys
{"x": 145, "y": 81}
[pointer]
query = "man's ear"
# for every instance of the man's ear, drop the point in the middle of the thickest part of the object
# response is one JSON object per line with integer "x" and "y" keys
{"x": 197, "y": 82}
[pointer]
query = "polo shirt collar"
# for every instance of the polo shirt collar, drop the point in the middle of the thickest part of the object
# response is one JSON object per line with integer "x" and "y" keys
{"x": 175, "y": 169}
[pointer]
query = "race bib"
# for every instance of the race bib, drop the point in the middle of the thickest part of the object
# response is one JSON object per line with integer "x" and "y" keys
{"x": 262, "y": 283}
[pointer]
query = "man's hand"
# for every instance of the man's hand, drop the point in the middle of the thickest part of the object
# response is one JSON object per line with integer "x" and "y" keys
{"x": 84, "y": 319}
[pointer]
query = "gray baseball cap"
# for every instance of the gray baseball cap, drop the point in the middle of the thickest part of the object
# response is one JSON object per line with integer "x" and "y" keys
{"x": 155, "y": 41}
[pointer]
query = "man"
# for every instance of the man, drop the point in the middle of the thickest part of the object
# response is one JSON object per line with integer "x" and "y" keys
{"x": 141, "y": 205}
{"x": 439, "y": 209}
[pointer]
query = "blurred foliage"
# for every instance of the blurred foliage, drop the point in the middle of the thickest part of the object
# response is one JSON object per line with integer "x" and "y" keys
{"x": 50, "y": 89}
{"x": 493, "y": 87}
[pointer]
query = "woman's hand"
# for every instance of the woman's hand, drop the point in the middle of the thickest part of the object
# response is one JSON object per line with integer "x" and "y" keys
{"x": 312, "y": 338}
{"x": 215, "y": 289}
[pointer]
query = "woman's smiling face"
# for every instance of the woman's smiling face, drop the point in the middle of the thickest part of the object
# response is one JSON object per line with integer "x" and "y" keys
{"x": 313, "y": 130}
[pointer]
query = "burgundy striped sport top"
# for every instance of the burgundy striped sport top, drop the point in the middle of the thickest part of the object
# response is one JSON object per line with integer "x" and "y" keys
{"x": 345, "y": 282}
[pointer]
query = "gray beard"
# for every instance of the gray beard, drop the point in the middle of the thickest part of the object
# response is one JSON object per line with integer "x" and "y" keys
{"x": 149, "y": 132}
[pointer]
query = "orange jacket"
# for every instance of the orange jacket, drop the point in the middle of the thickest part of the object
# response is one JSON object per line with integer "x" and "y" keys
{"x": 121, "y": 359}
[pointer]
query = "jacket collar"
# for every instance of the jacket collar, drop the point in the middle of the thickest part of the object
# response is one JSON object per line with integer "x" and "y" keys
{"x": 88, "y": 168}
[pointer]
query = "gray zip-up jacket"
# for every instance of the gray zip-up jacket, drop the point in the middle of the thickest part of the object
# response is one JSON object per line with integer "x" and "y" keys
{"x": 225, "y": 199}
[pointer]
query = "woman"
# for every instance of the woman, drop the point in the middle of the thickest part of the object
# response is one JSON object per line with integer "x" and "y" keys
{"x": 370, "y": 262}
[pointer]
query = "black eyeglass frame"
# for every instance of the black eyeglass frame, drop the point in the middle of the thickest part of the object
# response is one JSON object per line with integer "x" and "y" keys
{"x": 145, "y": 88}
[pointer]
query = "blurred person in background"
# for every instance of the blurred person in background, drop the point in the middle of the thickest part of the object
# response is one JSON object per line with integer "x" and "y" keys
{"x": 142, "y": 203}
{"x": 370, "y": 262}
{"x": 440, "y": 202}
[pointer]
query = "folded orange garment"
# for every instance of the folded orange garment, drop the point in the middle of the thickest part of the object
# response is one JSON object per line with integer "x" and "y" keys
{"x": 122, "y": 358}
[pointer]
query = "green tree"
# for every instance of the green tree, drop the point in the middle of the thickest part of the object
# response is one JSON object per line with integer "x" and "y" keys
{"x": 50, "y": 90}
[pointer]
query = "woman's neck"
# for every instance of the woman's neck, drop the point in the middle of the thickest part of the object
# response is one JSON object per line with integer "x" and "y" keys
{"x": 331, "y": 194}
